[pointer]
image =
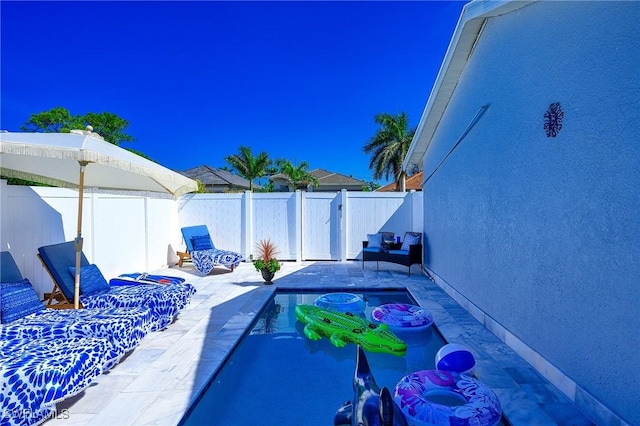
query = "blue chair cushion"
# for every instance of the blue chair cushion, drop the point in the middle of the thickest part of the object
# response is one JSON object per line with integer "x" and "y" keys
{"x": 371, "y": 250}
{"x": 91, "y": 279}
{"x": 9, "y": 271}
{"x": 193, "y": 231}
{"x": 57, "y": 258}
{"x": 201, "y": 242}
{"x": 403, "y": 252}
{"x": 19, "y": 299}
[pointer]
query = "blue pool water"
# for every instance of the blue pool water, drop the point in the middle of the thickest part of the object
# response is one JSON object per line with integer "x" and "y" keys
{"x": 277, "y": 376}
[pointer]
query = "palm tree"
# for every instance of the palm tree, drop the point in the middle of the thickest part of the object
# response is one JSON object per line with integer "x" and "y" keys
{"x": 248, "y": 166}
{"x": 389, "y": 146}
{"x": 297, "y": 175}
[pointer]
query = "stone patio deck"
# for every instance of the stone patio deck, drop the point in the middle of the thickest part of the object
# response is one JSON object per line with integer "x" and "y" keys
{"x": 157, "y": 382}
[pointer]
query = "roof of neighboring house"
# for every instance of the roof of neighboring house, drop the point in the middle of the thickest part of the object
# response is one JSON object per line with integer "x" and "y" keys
{"x": 464, "y": 39}
{"x": 411, "y": 183}
{"x": 216, "y": 177}
{"x": 326, "y": 177}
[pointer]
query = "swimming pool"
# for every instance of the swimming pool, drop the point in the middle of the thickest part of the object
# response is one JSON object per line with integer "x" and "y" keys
{"x": 277, "y": 376}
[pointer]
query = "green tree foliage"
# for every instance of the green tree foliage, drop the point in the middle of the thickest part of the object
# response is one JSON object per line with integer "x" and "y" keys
{"x": 266, "y": 187}
{"x": 22, "y": 182}
{"x": 248, "y": 166}
{"x": 298, "y": 176}
{"x": 201, "y": 187}
{"x": 389, "y": 146}
{"x": 370, "y": 186}
{"x": 56, "y": 120}
{"x": 59, "y": 120}
{"x": 111, "y": 127}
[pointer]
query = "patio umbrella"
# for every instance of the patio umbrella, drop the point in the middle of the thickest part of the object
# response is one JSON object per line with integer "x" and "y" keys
{"x": 60, "y": 159}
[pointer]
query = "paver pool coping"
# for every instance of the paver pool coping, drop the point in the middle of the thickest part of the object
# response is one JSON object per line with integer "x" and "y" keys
{"x": 159, "y": 380}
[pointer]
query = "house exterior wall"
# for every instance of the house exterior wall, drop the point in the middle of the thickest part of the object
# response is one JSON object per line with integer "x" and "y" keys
{"x": 542, "y": 234}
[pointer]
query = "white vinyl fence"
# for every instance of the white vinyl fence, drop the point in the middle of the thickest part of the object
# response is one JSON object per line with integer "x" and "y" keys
{"x": 133, "y": 232}
{"x": 122, "y": 232}
{"x": 303, "y": 225}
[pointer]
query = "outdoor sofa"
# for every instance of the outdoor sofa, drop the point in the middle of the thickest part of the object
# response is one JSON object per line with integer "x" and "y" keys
{"x": 381, "y": 247}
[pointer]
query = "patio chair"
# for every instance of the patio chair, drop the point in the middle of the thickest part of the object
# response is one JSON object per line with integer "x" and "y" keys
{"x": 23, "y": 316}
{"x": 407, "y": 253}
{"x": 164, "y": 300}
{"x": 204, "y": 255}
{"x": 37, "y": 374}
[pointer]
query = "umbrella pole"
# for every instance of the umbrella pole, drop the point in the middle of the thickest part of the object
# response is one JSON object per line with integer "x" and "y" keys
{"x": 78, "y": 241}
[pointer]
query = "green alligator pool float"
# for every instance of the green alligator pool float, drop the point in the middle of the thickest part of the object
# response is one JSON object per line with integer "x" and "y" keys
{"x": 343, "y": 327}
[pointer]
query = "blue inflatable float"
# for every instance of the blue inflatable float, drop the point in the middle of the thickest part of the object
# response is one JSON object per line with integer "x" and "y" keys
{"x": 341, "y": 302}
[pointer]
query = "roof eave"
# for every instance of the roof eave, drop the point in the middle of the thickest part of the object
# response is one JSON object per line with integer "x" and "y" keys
{"x": 465, "y": 36}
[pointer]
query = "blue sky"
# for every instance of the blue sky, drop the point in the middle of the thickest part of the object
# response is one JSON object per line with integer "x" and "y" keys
{"x": 195, "y": 80}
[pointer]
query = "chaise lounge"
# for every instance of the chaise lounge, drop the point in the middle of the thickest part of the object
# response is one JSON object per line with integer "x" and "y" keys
{"x": 164, "y": 300}
{"x": 379, "y": 247}
{"x": 23, "y": 316}
{"x": 204, "y": 255}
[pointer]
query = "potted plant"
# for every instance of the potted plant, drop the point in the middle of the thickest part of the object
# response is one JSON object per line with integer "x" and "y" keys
{"x": 266, "y": 261}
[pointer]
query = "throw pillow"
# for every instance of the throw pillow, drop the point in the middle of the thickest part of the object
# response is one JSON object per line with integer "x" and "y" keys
{"x": 91, "y": 279}
{"x": 409, "y": 240}
{"x": 374, "y": 240}
{"x": 201, "y": 242}
{"x": 19, "y": 299}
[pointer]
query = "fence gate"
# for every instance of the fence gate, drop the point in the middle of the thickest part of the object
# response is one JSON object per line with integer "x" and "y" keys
{"x": 320, "y": 226}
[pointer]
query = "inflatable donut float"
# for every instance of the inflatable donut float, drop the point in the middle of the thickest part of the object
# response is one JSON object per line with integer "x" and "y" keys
{"x": 341, "y": 302}
{"x": 436, "y": 397}
{"x": 402, "y": 316}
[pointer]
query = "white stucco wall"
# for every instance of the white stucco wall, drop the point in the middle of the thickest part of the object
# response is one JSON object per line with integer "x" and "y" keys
{"x": 543, "y": 233}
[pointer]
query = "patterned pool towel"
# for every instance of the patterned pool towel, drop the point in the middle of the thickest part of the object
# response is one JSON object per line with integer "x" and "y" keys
{"x": 122, "y": 328}
{"x": 206, "y": 260}
{"x": 146, "y": 278}
{"x": 36, "y": 374}
{"x": 165, "y": 301}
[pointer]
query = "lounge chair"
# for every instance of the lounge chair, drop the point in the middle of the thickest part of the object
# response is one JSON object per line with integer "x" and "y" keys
{"x": 203, "y": 253}
{"x": 164, "y": 300}
{"x": 23, "y": 316}
{"x": 37, "y": 374}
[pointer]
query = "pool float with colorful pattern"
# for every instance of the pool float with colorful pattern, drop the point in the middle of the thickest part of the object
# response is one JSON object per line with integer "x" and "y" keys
{"x": 341, "y": 302}
{"x": 343, "y": 328}
{"x": 475, "y": 404}
{"x": 402, "y": 316}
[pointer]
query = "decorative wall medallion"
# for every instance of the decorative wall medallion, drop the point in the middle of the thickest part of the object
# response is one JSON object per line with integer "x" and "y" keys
{"x": 553, "y": 120}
